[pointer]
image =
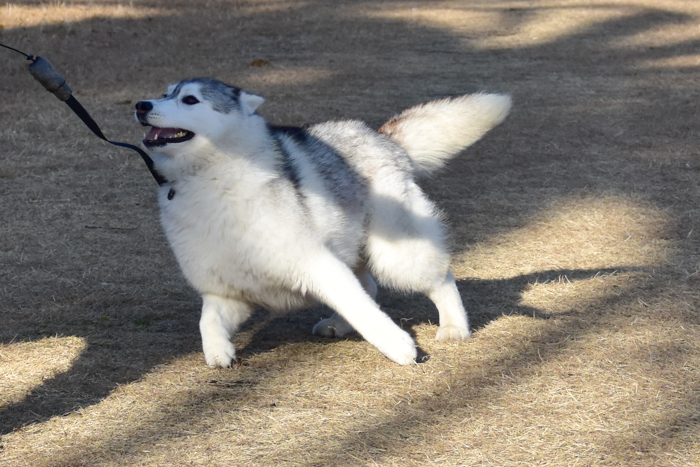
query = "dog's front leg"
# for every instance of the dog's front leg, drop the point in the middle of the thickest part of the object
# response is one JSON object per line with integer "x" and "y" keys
{"x": 336, "y": 326}
{"x": 220, "y": 319}
{"x": 334, "y": 284}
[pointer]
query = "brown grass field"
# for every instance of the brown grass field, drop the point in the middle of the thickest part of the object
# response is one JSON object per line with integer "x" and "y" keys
{"x": 575, "y": 227}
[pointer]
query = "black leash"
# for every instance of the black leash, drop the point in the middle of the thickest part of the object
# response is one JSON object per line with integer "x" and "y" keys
{"x": 42, "y": 70}
{"x": 87, "y": 119}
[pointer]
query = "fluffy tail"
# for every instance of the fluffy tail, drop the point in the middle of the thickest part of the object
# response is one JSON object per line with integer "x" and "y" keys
{"x": 435, "y": 132}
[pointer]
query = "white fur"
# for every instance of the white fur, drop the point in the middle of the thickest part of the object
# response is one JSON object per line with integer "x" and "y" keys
{"x": 433, "y": 133}
{"x": 347, "y": 209}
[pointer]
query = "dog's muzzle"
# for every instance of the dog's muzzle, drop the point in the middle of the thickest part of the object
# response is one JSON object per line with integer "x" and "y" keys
{"x": 158, "y": 137}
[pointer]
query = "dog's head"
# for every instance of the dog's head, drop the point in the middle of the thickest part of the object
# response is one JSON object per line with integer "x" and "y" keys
{"x": 192, "y": 111}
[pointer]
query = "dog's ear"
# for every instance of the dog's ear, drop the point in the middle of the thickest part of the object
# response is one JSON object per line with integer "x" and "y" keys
{"x": 250, "y": 102}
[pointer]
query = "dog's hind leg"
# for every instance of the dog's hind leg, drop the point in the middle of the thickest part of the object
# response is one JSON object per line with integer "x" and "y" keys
{"x": 454, "y": 324}
{"x": 336, "y": 325}
{"x": 334, "y": 284}
{"x": 406, "y": 250}
{"x": 220, "y": 319}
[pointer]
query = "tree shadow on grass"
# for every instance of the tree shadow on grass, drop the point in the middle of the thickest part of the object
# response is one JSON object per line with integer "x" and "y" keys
{"x": 490, "y": 300}
{"x": 112, "y": 357}
{"x": 120, "y": 357}
{"x": 485, "y": 301}
{"x": 472, "y": 388}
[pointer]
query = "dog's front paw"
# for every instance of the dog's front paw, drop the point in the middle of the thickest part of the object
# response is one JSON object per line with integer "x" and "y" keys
{"x": 452, "y": 333}
{"x": 219, "y": 353}
{"x": 399, "y": 347}
{"x": 335, "y": 326}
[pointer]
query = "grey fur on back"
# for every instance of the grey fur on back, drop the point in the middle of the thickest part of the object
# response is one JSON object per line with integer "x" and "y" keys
{"x": 328, "y": 160}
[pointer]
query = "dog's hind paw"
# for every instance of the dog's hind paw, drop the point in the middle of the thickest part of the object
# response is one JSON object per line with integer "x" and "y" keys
{"x": 452, "y": 333}
{"x": 335, "y": 326}
{"x": 219, "y": 353}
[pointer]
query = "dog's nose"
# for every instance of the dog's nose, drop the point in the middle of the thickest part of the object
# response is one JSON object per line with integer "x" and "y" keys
{"x": 143, "y": 107}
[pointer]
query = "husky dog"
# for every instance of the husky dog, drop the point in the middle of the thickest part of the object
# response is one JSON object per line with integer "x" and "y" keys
{"x": 287, "y": 217}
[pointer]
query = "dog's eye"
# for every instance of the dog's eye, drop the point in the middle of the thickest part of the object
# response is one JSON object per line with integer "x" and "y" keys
{"x": 190, "y": 100}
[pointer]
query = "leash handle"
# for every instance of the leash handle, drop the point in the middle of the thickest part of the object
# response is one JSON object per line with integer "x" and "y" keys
{"x": 42, "y": 70}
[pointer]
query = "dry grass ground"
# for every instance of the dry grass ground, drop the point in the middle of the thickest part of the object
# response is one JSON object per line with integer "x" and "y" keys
{"x": 575, "y": 230}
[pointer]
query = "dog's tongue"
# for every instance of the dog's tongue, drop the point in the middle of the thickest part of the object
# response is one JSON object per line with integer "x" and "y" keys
{"x": 157, "y": 133}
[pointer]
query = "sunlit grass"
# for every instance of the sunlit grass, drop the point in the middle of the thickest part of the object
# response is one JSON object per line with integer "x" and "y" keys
{"x": 24, "y": 16}
{"x": 25, "y": 366}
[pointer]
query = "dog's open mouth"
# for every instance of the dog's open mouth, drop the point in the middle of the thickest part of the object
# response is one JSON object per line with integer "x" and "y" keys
{"x": 162, "y": 136}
